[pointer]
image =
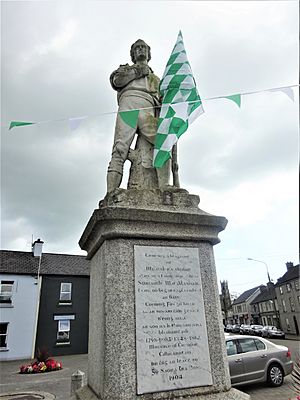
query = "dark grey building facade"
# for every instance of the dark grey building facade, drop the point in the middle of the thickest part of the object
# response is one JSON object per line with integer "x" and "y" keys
{"x": 288, "y": 296}
{"x": 59, "y": 301}
{"x": 63, "y": 315}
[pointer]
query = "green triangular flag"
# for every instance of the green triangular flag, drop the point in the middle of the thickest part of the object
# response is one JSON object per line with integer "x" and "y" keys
{"x": 130, "y": 117}
{"x": 19, "y": 123}
{"x": 236, "y": 98}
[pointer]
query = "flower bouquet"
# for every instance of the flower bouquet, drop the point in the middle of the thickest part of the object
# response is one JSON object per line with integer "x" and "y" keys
{"x": 42, "y": 364}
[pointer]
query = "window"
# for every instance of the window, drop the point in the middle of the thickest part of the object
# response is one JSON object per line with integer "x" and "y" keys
{"x": 283, "y": 305}
{"x": 259, "y": 344}
{"x": 271, "y": 305}
{"x": 63, "y": 331}
{"x": 292, "y": 304}
{"x": 63, "y": 328}
{"x": 297, "y": 285}
{"x": 231, "y": 347}
{"x": 247, "y": 345}
{"x": 65, "y": 292}
{"x": 287, "y": 324}
{"x": 3, "y": 335}
{"x": 298, "y": 297}
{"x": 281, "y": 289}
{"x": 288, "y": 287}
{"x": 6, "y": 290}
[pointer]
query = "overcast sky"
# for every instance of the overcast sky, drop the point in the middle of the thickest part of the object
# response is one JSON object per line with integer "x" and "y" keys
{"x": 243, "y": 163}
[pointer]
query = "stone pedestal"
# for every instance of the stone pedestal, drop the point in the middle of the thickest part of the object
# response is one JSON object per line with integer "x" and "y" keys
{"x": 140, "y": 243}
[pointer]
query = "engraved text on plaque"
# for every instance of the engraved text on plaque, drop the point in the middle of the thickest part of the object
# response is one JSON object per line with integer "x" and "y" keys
{"x": 171, "y": 335}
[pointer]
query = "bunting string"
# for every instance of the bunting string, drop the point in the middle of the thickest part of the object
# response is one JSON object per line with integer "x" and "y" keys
{"x": 129, "y": 115}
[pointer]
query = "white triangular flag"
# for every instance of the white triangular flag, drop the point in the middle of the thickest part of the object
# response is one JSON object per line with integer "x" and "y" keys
{"x": 287, "y": 90}
{"x": 75, "y": 122}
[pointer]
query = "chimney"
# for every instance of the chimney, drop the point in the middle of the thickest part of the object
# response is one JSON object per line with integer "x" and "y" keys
{"x": 37, "y": 248}
{"x": 270, "y": 285}
{"x": 289, "y": 265}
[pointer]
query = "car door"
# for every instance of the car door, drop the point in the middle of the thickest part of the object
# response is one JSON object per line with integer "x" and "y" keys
{"x": 255, "y": 357}
{"x": 235, "y": 361}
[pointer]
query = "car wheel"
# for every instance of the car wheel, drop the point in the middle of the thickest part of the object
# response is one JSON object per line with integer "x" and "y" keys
{"x": 275, "y": 375}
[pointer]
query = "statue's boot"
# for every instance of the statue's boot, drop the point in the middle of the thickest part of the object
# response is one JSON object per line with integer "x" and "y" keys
{"x": 163, "y": 176}
{"x": 113, "y": 180}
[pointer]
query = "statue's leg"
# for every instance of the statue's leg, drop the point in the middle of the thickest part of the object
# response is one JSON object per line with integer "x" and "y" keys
{"x": 147, "y": 124}
{"x": 124, "y": 135}
{"x": 163, "y": 175}
{"x": 148, "y": 128}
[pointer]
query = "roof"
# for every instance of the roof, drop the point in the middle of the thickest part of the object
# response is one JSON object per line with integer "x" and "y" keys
{"x": 266, "y": 294}
{"x": 22, "y": 262}
{"x": 291, "y": 274}
{"x": 245, "y": 296}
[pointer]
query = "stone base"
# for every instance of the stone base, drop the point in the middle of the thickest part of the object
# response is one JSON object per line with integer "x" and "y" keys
{"x": 125, "y": 221}
{"x": 85, "y": 393}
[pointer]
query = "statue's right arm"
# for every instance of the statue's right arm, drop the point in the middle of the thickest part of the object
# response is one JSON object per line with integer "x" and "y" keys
{"x": 125, "y": 74}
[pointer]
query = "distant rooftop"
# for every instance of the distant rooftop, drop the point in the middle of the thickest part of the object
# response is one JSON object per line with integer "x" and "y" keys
{"x": 244, "y": 296}
{"x": 266, "y": 294}
{"x": 292, "y": 273}
{"x": 22, "y": 262}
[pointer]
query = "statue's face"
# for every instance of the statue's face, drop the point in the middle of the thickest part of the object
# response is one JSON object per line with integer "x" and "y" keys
{"x": 141, "y": 52}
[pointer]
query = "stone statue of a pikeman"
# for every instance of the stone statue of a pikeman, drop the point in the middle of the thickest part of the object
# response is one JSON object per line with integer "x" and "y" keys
{"x": 138, "y": 88}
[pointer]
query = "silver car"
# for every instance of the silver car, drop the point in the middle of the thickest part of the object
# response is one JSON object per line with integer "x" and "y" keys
{"x": 272, "y": 332}
{"x": 253, "y": 359}
{"x": 255, "y": 330}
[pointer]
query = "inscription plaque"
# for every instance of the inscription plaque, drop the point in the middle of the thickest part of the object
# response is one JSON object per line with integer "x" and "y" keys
{"x": 171, "y": 335}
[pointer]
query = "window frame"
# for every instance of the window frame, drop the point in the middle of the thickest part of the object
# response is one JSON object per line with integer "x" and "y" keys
{"x": 9, "y": 294}
{"x": 63, "y": 292}
{"x": 62, "y": 318}
{"x": 234, "y": 345}
{"x": 281, "y": 289}
{"x": 244, "y": 340}
{"x": 292, "y": 304}
{"x": 67, "y": 330}
{"x": 256, "y": 340}
{"x": 283, "y": 305}
{"x": 4, "y": 348}
{"x": 288, "y": 287}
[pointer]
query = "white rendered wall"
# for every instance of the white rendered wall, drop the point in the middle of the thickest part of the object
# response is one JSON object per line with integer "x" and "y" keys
{"x": 20, "y": 316}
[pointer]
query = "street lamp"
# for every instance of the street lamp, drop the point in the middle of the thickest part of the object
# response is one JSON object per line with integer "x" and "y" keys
{"x": 253, "y": 259}
{"x": 273, "y": 300}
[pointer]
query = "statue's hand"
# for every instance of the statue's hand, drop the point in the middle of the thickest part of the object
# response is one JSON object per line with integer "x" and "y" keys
{"x": 142, "y": 70}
